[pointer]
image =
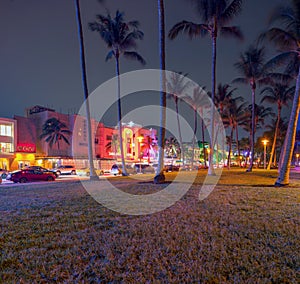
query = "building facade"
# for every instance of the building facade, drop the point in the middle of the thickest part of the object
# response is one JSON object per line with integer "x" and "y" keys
{"x": 8, "y": 134}
{"x": 22, "y": 145}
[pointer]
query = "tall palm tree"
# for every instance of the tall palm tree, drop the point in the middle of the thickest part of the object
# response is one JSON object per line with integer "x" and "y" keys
{"x": 93, "y": 175}
{"x": 234, "y": 115}
{"x": 261, "y": 113}
{"x": 251, "y": 65}
{"x": 54, "y": 131}
{"x": 222, "y": 100}
{"x": 198, "y": 102}
{"x": 215, "y": 14}
{"x": 286, "y": 37}
{"x": 280, "y": 93}
{"x": 177, "y": 86}
{"x": 223, "y": 96}
{"x": 159, "y": 175}
{"x": 120, "y": 38}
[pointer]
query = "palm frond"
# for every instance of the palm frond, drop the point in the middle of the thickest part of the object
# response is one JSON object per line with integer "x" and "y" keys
{"x": 281, "y": 38}
{"x": 109, "y": 55}
{"x": 189, "y": 28}
{"x": 240, "y": 81}
{"x": 281, "y": 14}
{"x": 281, "y": 78}
{"x": 292, "y": 68}
{"x": 135, "y": 56}
{"x": 65, "y": 139}
{"x": 135, "y": 24}
{"x": 130, "y": 39}
{"x": 232, "y": 10}
{"x": 279, "y": 60}
{"x": 232, "y": 32}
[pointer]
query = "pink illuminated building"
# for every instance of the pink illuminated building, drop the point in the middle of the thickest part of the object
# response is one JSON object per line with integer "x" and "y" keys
{"x": 26, "y": 147}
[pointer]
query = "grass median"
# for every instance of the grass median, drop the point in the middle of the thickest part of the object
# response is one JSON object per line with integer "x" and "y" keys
{"x": 245, "y": 231}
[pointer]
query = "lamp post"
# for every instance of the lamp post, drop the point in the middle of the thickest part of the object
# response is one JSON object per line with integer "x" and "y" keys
{"x": 297, "y": 159}
{"x": 265, "y": 142}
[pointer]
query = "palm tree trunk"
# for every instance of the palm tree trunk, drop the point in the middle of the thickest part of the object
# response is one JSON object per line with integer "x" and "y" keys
{"x": 274, "y": 140}
{"x": 179, "y": 131}
{"x": 229, "y": 150}
{"x": 124, "y": 173}
{"x": 203, "y": 141}
{"x": 159, "y": 176}
{"x": 284, "y": 174}
{"x": 281, "y": 156}
{"x": 213, "y": 92}
{"x": 252, "y": 130}
{"x": 217, "y": 146}
{"x": 93, "y": 175}
{"x": 238, "y": 144}
{"x": 194, "y": 137}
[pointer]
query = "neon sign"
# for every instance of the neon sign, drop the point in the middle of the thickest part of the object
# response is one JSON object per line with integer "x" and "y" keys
{"x": 26, "y": 148}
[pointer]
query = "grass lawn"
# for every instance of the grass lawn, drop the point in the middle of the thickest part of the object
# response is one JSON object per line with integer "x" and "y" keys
{"x": 246, "y": 231}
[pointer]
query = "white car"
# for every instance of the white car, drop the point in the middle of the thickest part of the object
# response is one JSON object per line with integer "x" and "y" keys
{"x": 65, "y": 170}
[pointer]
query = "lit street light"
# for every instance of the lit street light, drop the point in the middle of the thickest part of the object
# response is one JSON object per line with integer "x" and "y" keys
{"x": 297, "y": 159}
{"x": 265, "y": 142}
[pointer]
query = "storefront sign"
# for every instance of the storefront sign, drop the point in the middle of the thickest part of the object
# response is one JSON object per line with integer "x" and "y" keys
{"x": 26, "y": 148}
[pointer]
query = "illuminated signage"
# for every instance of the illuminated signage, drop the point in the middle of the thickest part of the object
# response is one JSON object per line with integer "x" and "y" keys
{"x": 26, "y": 148}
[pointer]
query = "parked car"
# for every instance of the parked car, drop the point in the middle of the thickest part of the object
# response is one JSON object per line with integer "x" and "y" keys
{"x": 65, "y": 170}
{"x": 41, "y": 169}
{"x": 144, "y": 168}
{"x": 27, "y": 175}
{"x": 86, "y": 172}
{"x": 115, "y": 170}
{"x": 171, "y": 168}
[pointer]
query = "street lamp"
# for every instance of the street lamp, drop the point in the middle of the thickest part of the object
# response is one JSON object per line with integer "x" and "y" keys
{"x": 297, "y": 159}
{"x": 265, "y": 142}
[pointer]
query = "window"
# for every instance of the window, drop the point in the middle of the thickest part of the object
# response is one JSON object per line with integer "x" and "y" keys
{"x": 6, "y": 147}
{"x": 5, "y": 130}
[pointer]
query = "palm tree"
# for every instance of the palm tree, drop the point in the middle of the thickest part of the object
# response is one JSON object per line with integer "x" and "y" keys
{"x": 172, "y": 148}
{"x": 93, "y": 175}
{"x": 113, "y": 145}
{"x": 260, "y": 115}
{"x": 244, "y": 144}
{"x": 54, "y": 131}
{"x": 215, "y": 15}
{"x": 280, "y": 93}
{"x": 198, "y": 102}
{"x": 252, "y": 66}
{"x": 287, "y": 38}
{"x": 177, "y": 86}
{"x": 120, "y": 37}
{"x": 223, "y": 96}
{"x": 159, "y": 175}
{"x": 233, "y": 116}
{"x": 222, "y": 100}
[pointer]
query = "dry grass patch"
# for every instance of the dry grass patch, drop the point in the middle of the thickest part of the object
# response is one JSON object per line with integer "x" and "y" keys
{"x": 239, "y": 234}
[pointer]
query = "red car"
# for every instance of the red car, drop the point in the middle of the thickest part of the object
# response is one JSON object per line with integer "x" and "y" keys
{"x": 26, "y": 175}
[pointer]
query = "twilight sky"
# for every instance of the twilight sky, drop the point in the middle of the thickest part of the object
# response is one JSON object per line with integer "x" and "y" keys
{"x": 39, "y": 51}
